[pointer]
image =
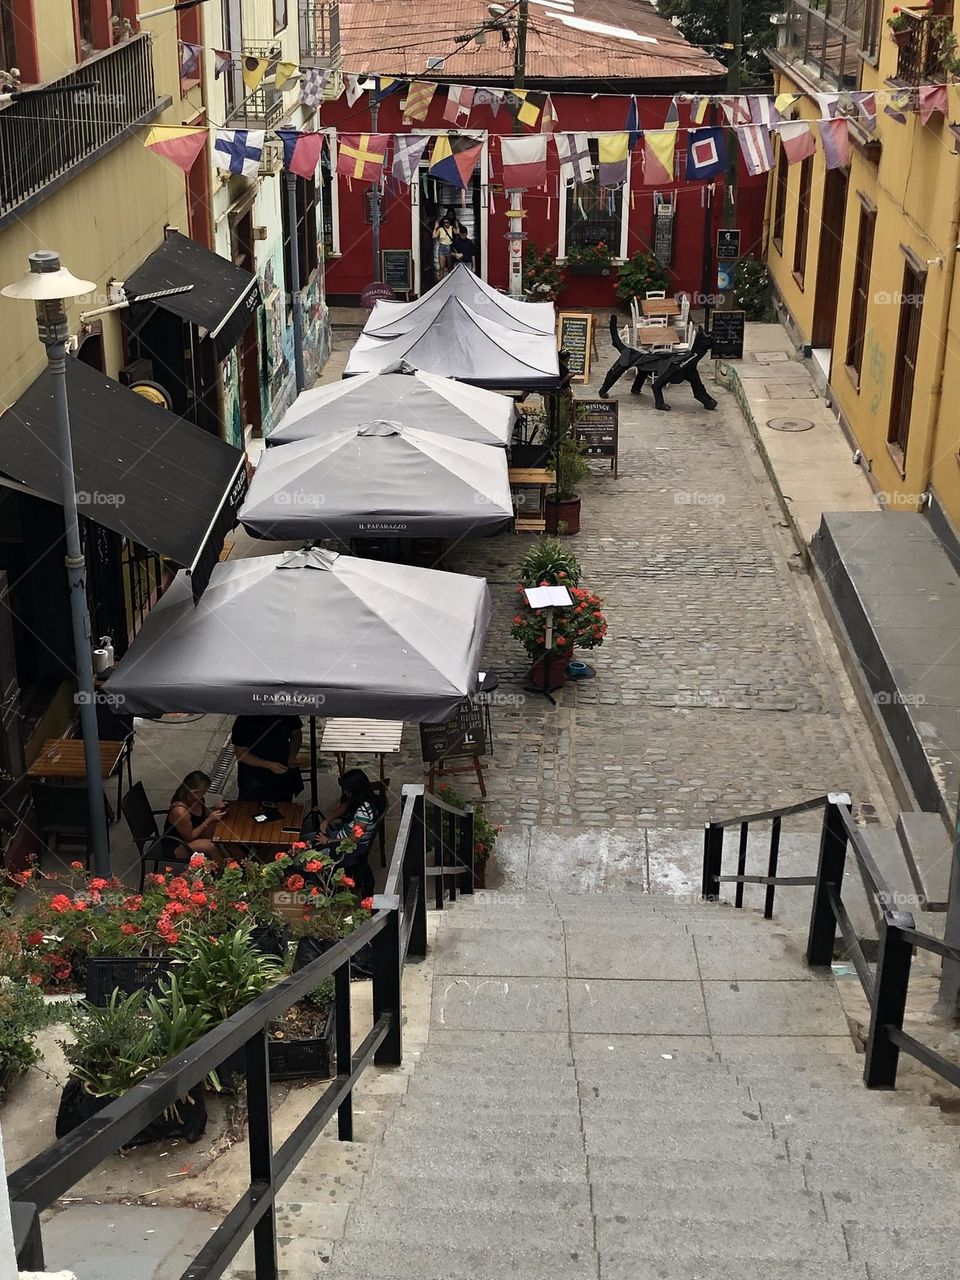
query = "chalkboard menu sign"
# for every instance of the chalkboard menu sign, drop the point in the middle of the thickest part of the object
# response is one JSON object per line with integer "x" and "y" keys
{"x": 398, "y": 269}
{"x": 597, "y": 425}
{"x": 466, "y": 734}
{"x": 728, "y": 242}
{"x": 574, "y": 335}
{"x": 663, "y": 235}
{"x": 727, "y": 328}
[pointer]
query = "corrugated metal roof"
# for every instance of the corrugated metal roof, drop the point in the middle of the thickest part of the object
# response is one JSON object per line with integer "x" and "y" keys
{"x": 566, "y": 40}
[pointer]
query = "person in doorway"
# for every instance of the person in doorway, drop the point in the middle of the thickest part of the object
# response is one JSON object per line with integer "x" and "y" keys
{"x": 355, "y": 816}
{"x": 190, "y": 824}
{"x": 463, "y": 248}
{"x": 443, "y": 236}
{"x": 266, "y": 748}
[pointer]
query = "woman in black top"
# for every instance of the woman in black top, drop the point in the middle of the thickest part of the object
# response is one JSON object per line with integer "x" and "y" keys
{"x": 190, "y": 825}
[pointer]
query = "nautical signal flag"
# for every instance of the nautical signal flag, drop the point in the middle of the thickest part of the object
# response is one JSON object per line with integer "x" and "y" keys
{"x": 835, "y": 137}
{"x": 239, "y": 150}
{"x": 301, "y": 151}
{"x": 458, "y": 104}
{"x": 796, "y": 138}
{"x": 659, "y": 146}
{"x": 933, "y": 97}
{"x": 408, "y": 149}
{"x": 454, "y": 158}
{"x": 362, "y": 155}
{"x": 178, "y": 143}
{"x": 706, "y": 155}
{"x": 254, "y": 69}
{"x": 632, "y": 125}
{"x": 419, "y": 96}
{"x": 613, "y": 149}
{"x": 756, "y": 147}
{"x": 524, "y": 105}
{"x": 524, "y": 162}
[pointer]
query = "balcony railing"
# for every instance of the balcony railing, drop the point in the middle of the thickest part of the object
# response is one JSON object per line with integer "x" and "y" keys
{"x": 320, "y": 33}
{"x": 45, "y": 135}
{"x": 919, "y": 52}
{"x": 257, "y": 110}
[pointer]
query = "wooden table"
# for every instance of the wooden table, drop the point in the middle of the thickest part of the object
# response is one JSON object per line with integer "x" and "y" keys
{"x": 343, "y": 737}
{"x": 537, "y": 478}
{"x": 660, "y": 306}
{"x": 62, "y": 759}
{"x": 239, "y": 828}
{"x": 657, "y": 335}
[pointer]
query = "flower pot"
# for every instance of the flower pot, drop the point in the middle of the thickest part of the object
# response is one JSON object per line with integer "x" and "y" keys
{"x": 186, "y": 1118}
{"x": 310, "y": 949}
{"x": 565, "y": 511}
{"x": 549, "y": 674}
{"x": 305, "y": 1059}
{"x": 901, "y": 38}
{"x": 270, "y": 940}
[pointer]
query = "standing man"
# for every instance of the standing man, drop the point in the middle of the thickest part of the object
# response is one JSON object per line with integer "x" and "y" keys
{"x": 266, "y": 748}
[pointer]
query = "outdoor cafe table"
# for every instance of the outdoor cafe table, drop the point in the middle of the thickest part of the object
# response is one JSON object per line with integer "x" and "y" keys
{"x": 238, "y": 827}
{"x": 660, "y": 306}
{"x": 344, "y": 736}
{"x": 657, "y": 335}
{"x": 62, "y": 759}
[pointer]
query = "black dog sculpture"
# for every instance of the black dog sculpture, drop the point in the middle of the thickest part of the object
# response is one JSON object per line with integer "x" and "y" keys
{"x": 664, "y": 367}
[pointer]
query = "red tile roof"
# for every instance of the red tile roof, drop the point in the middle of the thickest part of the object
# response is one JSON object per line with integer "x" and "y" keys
{"x": 398, "y": 36}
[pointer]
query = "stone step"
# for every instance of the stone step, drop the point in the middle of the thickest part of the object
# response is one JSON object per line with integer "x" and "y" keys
{"x": 687, "y": 1238}
{"x": 934, "y": 1206}
{"x": 927, "y": 848}
{"x": 736, "y": 1142}
{"x": 466, "y": 1164}
{"x": 827, "y": 1156}
{"x": 617, "y": 1266}
{"x": 447, "y": 1197}
{"x": 511, "y": 1227}
{"x": 930, "y": 1253}
{"x": 438, "y": 1261}
{"x": 766, "y": 1167}
{"x": 676, "y": 1200}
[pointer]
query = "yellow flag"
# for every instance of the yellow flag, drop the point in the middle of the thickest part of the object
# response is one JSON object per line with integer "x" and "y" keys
{"x": 254, "y": 69}
{"x": 659, "y": 146}
{"x": 613, "y": 147}
{"x": 286, "y": 73}
{"x": 784, "y": 101}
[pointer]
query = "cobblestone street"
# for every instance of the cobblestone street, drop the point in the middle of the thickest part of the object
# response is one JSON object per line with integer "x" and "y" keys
{"x": 712, "y": 693}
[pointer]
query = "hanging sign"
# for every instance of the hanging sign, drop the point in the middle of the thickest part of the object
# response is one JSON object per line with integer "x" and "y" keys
{"x": 574, "y": 335}
{"x": 663, "y": 235}
{"x": 728, "y": 243}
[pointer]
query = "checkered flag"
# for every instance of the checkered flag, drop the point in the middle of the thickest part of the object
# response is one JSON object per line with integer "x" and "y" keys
{"x": 311, "y": 88}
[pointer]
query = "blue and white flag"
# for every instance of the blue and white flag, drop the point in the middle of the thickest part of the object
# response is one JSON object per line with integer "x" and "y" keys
{"x": 408, "y": 149}
{"x": 576, "y": 164}
{"x": 763, "y": 110}
{"x": 239, "y": 151}
{"x": 756, "y": 148}
{"x": 706, "y": 154}
{"x": 312, "y": 86}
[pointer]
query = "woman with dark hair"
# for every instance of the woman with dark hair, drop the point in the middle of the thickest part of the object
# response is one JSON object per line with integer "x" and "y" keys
{"x": 355, "y": 817}
{"x": 190, "y": 825}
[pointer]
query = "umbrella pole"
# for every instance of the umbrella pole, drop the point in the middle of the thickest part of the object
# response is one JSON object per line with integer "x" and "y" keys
{"x": 313, "y": 763}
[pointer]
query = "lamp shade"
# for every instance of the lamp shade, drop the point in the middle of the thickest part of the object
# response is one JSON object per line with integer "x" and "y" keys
{"x": 46, "y": 280}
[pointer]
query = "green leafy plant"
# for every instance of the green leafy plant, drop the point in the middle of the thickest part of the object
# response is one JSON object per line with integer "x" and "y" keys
{"x": 221, "y": 974}
{"x": 943, "y": 40}
{"x": 705, "y": 25}
{"x": 637, "y": 275}
{"x": 312, "y": 892}
{"x": 751, "y": 289}
{"x": 589, "y": 255}
{"x": 571, "y": 468}
{"x": 542, "y": 277}
{"x": 177, "y": 1024}
{"x": 548, "y": 562}
{"x": 485, "y": 833}
{"x": 23, "y": 1012}
{"x": 113, "y": 1047}
{"x": 898, "y": 20}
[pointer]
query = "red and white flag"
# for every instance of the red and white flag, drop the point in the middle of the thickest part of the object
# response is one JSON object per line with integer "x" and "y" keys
{"x": 524, "y": 162}
{"x": 933, "y": 97}
{"x": 756, "y": 148}
{"x": 835, "y": 136}
{"x": 458, "y": 104}
{"x": 796, "y": 138}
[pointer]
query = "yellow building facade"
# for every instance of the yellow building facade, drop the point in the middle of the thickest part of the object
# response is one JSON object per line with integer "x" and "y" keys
{"x": 863, "y": 258}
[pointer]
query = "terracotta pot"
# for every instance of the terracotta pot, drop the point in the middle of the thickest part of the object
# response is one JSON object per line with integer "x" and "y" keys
{"x": 901, "y": 38}
{"x": 565, "y": 511}
{"x": 480, "y": 874}
{"x": 556, "y": 673}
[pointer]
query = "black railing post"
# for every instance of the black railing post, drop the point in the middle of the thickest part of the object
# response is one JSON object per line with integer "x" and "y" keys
{"x": 833, "y": 854}
{"x": 712, "y": 862}
{"x": 260, "y": 1142}
{"x": 465, "y": 843}
{"x": 741, "y": 862}
{"x": 452, "y": 842}
{"x": 415, "y": 868}
{"x": 341, "y": 1007}
{"x": 888, "y": 1005}
{"x": 387, "y": 992}
{"x": 772, "y": 861}
{"x": 436, "y": 835}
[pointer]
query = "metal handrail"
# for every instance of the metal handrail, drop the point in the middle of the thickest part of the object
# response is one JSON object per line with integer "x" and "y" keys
{"x": 887, "y": 985}
{"x": 397, "y": 928}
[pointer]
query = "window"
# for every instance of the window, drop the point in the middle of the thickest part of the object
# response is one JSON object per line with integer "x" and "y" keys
{"x": 233, "y": 86}
{"x": 861, "y": 286}
{"x": 803, "y": 220}
{"x": 188, "y": 31}
{"x": 905, "y": 365}
{"x": 94, "y": 19}
{"x": 592, "y": 213}
{"x": 279, "y": 15}
{"x": 828, "y": 36}
{"x": 305, "y": 235}
{"x": 8, "y": 36}
{"x": 780, "y": 200}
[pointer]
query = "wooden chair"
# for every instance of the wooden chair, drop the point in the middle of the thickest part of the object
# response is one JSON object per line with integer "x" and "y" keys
{"x": 63, "y": 816}
{"x": 655, "y": 293}
{"x": 141, "y": 820}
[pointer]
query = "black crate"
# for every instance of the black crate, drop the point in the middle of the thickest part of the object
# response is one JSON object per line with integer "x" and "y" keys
{"x": 305, "y": 1059}
{"x": 106, "y": 974}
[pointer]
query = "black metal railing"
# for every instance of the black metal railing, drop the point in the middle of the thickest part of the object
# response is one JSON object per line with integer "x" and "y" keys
{"x": 319, "y": 33}
{"x": 262, "y": 107}
{"x": 919, "y": 53}
{"x": 47, "y": 133}
{"x": 886, "y": 983}
{"x": 396, "y": 931}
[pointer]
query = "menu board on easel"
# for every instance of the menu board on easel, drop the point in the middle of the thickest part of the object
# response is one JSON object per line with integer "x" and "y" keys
{"x": 398, "y": 269}
{"x": 575, "y": 336}
{"x": 597, "y": 427}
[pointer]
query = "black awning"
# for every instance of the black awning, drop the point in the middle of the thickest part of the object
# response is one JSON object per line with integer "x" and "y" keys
{"x": 223, "y": 298}
{"x": 150, "y": 476}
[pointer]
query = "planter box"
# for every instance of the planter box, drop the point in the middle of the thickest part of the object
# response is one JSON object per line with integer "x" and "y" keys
{"x": 305, "y": 1059}
{"x": 106, "y": 974}
{"x": 588, "y": 269}
{"x": 187, "y": 1118}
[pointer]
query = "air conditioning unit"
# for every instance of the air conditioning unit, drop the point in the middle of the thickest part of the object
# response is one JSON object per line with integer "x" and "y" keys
{"x": 272, "y": 159}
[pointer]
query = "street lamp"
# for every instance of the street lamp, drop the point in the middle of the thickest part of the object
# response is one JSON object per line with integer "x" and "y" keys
{"x": 48, "y": 284}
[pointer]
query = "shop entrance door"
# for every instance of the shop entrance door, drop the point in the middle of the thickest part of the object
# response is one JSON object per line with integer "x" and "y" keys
{"x": 438, "y": 200}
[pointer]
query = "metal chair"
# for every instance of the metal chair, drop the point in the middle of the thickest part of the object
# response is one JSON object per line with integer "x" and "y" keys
{"x": 141, "y": 820}
{"x": 112, "y": 727}
{"x": 63, "y": 816}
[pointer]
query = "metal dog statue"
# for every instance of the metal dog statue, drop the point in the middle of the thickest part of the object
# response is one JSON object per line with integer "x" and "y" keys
{"x": 664, "y": 368}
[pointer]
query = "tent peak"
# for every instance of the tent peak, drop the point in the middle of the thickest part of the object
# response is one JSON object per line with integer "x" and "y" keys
{"x": 309, "y": 558}
{"x": 380, "y": 427}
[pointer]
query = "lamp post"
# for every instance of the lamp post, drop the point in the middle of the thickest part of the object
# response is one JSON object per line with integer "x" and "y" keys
{"x": 48, "y": 284}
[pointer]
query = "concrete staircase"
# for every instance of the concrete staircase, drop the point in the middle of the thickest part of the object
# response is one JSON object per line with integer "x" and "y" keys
{"x": 626, "y": 1087}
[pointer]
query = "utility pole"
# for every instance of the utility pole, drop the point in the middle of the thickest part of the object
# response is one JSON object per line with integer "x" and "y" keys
{"x": 735, "y": 54}
{"x": 516, "y": 206}
{"x": 375, "y": 189}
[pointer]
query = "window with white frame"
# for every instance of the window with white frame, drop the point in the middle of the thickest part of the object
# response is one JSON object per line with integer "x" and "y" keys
{"x": 591, "y": 214}
{"x": 329, "y": 197}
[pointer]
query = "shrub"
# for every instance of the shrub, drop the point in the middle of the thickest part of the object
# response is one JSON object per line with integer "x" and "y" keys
{"x": 638, "y": 274}
{"x": 549, "y": 562}
{"x": 23, "y": 1012}
{"x": 751, "y": 289}
{"x": 542, "y": 277}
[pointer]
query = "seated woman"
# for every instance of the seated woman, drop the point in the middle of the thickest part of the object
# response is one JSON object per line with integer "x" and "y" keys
{"x": 359, "y": 807}
{"x": 190, "y": 824}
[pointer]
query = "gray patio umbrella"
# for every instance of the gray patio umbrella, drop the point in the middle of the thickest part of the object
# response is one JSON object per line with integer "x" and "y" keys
{"x": 382, "y": 479}
{"x": 310, "y": 633}
{"x": 459, "y": 343}
{"x": 421, "y": 400}
{"x": 387, "y": 319}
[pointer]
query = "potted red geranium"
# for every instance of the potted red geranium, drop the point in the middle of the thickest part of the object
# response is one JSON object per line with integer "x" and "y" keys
{"x": 581, "y": 626}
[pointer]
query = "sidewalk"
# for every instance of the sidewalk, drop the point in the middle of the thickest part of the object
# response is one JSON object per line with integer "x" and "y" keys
{"x": 812, "y": 470}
